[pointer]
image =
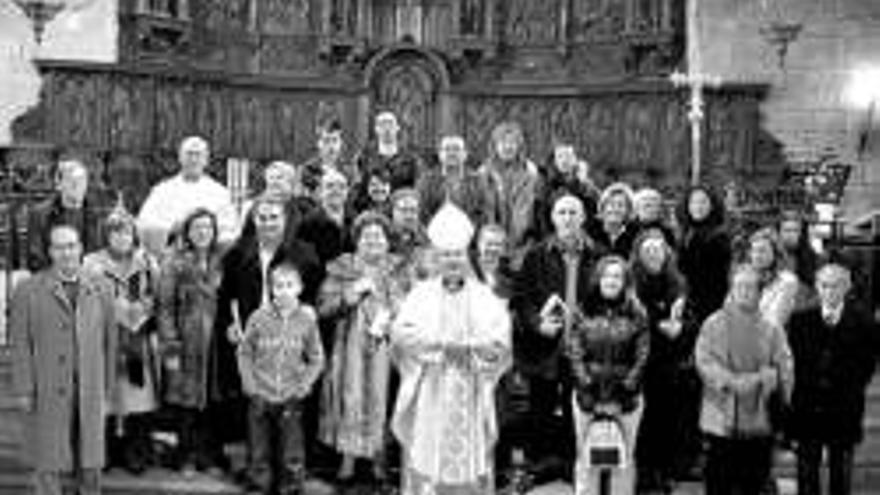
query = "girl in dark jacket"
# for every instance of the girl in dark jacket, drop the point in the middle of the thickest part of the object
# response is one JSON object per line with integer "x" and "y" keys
{"x": 660, "y": 289}
{"x": 704, "y": 256}
{"x": 608, "y": 349}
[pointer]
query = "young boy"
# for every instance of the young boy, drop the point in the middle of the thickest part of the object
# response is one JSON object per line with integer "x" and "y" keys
{"x": 280, "y": 358}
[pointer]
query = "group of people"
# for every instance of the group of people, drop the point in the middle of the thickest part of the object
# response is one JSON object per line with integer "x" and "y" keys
{"x": 395, "y": 311}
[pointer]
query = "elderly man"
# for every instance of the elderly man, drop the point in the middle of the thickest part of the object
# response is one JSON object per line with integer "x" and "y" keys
{"x": 454, "y": 181}
{"x": 172, "y": 199}
{"x": 451, "y": 340}
{"x": 62, "y": 334}
{"x": 835, "y": 351}
{"x": 68, "y": 206}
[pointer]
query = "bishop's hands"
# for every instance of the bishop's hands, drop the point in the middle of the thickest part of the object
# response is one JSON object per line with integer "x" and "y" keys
{"x": 469, "y": 356}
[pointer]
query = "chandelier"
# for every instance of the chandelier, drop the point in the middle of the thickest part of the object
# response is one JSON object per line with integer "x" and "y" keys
{"x": 781, "y": 23}
{"x": 41, "y": 12}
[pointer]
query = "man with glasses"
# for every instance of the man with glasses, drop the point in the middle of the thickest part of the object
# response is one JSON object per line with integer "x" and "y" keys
{"x": 62, "y": 332}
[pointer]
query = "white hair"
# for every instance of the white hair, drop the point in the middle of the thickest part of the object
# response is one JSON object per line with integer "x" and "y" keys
{"x": 193, "y": 142}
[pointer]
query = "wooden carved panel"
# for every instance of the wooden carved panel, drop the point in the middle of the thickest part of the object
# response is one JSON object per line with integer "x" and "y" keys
{"x": 78, "y": 109}
{"x": 408, "y": 88}
{"x": 534, "y": 22}
{"x": 248, "y": 124}
{"x": 340, "y": 17}
{"x": 292, "y": 17}
{"x": 174, "y": 116}
{"x": 132, "y": 114}
{"x": 280, "y": 53}
{"x": 597, "y": 19}
{"x": 212, "y": 116}
{"x": 223, "y": 15}
{"x": 639, "y": 132}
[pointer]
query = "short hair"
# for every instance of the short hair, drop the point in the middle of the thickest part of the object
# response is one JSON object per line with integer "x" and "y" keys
{"x": 646, "y": 193}
{"x": 384, "y": 114}
{"x": 739, "y": 269}
{"x": 836, "y": 270}
{"x": 333, "y": 173}
{"x": 366, "y": 219}
{"x": 405, "y": 193}
{"x": 565, "y": 193}
{"x": 280, "y": 164}
{"x": 269, "y": 198}
{"x": 285, "y": 265}
{"x": 508, "y": 128}
{"x": 330, "y": 126}
{"x": 617, "y": 189}
{"x": 67, "y": 167}
{"x": 491, "y": 228}
{"x": 192, "y": 142}
{"x": 455, "y": 137}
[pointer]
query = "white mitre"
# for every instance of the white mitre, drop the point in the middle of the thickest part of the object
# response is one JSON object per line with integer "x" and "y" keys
{"x": 450, "y": 229}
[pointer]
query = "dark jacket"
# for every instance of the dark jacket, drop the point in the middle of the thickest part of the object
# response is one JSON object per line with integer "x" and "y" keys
{"x": 328, "y": 238}
{"x": 242, "y": 283}
{"x": 50, "y": 212}
{"x": 833, "y": 367}
{"x": 542, "y": 275}
{"x": 621, "y": 246}
{"x": 471, "y": 195}
{"x": 704, "y": 258}
{"x": 608, "y": 349}
{"x": 402, "y": 169}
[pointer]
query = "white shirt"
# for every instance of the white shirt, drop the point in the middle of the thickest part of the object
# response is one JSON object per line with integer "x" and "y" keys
{"x": 832, "y": 315}
{"x": 265, "y": 259}
{"x": 171, "y": 200}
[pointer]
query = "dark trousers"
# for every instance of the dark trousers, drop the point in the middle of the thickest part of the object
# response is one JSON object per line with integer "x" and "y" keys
{"x": 128, "y": 441}
{"x": 738, "y": 466}
{"x": 669, "y": 440}
{"x": 276, "y": 446}
{"x": 197, "y": 447}
{"x": 809, "y": 463}
{"x": 551, "y": 440}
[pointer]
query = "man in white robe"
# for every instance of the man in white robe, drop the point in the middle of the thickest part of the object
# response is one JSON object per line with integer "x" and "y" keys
{"x": 171, "y": 200}
{"x": 452, "y": 341}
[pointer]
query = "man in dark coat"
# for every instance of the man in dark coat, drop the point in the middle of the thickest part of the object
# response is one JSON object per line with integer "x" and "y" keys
{"x": 557, "y": 269}
{"x": 62, "y": 332}
{"x": 835, "y": 350}
{"x": 242, "y": 290}
{"x": 68, "y": 206}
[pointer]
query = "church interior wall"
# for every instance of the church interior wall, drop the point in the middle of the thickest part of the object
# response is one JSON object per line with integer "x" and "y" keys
{"x": 811, "y": 107}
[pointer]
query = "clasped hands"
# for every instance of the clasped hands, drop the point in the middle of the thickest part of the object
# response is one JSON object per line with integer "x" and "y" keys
{"x": 744, "y": 383}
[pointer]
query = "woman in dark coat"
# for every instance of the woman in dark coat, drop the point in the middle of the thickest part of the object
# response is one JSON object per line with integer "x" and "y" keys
{"x": 660, "y": 289}
{"x": 188, "y": 287}
{"x": 704, "y": 258}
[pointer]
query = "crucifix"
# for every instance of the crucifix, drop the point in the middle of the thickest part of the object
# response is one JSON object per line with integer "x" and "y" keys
{"x": 696, "y": 81}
